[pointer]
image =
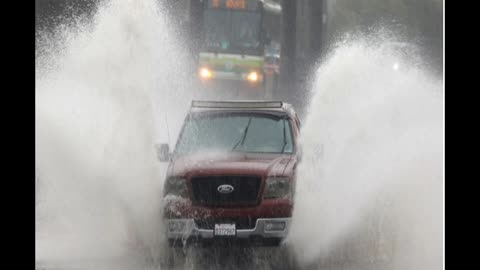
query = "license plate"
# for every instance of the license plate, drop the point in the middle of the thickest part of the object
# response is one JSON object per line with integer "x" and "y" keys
{"x": 225, "y": 230}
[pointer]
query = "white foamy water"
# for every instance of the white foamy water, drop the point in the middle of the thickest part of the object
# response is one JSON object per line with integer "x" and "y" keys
{"x": 370, "y": 183}
{"x": 101, "y": 96}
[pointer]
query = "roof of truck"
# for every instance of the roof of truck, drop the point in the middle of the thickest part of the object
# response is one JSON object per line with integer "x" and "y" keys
{"x": 243, "y": 105}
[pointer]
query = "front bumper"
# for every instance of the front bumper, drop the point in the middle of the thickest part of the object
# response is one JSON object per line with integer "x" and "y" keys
{"x": 229, "y": 84}
{"x": 185, "y": 231}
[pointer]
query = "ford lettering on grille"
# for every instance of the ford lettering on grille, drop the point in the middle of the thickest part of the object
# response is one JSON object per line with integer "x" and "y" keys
{"x": 225, "y": 189}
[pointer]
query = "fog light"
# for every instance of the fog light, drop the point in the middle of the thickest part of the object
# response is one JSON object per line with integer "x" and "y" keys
{"x": 176, "y": 226}
{"x": 271, "y": 226}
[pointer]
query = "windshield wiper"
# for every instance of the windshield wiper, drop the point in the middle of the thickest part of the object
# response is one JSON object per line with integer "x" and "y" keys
{"x": 244, "y": 135}
{"x": 284, "y": 136}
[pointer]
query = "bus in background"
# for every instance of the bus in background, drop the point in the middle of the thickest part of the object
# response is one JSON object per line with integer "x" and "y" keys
{"x": 232, "y": 49}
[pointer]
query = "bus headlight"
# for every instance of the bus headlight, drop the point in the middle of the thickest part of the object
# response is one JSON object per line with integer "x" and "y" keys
{"x": 277, "y": 187}
{"x": 205, "y": 73}
{"x": 253, "y": 76}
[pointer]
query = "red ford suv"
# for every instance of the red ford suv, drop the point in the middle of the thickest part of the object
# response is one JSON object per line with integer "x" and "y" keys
{"x": 232, "y": 173}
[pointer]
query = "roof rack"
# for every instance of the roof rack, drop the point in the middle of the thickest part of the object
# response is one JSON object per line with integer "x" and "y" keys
{"x": 237, "y": 104}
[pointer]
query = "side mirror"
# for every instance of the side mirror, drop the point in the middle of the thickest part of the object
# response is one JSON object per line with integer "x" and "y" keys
{"x": 163, "y": 152}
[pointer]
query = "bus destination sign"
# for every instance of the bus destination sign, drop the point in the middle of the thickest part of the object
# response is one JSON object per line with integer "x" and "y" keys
{"x": 249, "y": 5}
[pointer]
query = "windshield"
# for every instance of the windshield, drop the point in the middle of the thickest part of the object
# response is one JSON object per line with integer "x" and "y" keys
{"x": 232, "y": 31}
{"x": 243, "y": 132}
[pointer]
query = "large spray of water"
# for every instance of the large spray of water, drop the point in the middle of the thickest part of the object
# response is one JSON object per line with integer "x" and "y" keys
{"x": 98, "y": 100}
{"x": 370, "y": 182}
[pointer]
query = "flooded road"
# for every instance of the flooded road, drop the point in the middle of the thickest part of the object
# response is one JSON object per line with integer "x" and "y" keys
{"x": 370, "y": 184}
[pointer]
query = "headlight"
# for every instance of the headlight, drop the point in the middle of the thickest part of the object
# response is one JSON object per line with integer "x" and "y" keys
{"x": 205, "y": 73}
{"x": 176, "y": 186}
{"x": 252, "y": 76}
{"x": 277, "y": 187}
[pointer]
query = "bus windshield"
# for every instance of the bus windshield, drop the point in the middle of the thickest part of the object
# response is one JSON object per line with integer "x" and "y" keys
{"x": 232, "y": 31}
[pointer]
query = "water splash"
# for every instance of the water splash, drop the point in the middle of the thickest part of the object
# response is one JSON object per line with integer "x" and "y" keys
{"x": 370, "y": 182}
{"x": 372, "y": 133}
{"x": 98, "y": 94}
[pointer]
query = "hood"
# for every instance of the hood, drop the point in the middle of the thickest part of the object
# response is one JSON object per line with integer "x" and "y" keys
{"x": 232, "y": 163}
